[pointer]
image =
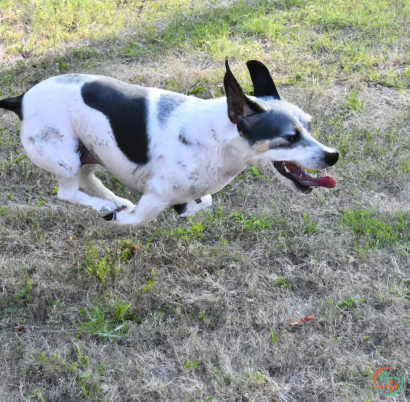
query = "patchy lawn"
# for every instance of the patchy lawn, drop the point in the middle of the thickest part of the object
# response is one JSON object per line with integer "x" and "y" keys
{"x": 200, "y": 309}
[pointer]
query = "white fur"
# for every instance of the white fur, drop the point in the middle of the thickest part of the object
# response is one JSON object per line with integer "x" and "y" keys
{"x": 56, "y": 118}
{"x": 194, "y": 206}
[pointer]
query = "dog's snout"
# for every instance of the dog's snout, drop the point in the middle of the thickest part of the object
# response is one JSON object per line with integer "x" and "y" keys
{"x": 331, "y": 158}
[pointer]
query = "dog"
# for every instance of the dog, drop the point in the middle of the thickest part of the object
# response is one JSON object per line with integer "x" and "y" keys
{"x": 175, "y": 149}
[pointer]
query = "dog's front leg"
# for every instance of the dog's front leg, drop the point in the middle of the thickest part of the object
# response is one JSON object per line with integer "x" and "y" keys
{"x": 147, "y": 209}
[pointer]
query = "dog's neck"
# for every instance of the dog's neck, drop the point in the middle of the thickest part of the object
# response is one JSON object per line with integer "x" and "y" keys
{"x": 209, "y": 119}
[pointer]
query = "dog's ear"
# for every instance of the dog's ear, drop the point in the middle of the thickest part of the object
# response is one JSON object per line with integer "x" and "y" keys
{"x": 262, "y": 81}
{"x": 239, "y": 105}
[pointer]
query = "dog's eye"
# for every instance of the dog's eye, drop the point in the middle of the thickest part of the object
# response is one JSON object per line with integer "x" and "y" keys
{"x": 291, "y": 137}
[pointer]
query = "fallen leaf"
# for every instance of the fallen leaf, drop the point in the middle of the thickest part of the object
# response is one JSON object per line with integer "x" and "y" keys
{"x": 303, "y": 320}
{"x": 134, "y": 248}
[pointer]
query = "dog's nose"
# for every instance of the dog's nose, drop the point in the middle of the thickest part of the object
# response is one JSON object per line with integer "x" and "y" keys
{"x": 331, "y": 158}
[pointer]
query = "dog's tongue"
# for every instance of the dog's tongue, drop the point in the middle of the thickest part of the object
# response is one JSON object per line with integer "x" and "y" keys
{"x": 306, "y": 180}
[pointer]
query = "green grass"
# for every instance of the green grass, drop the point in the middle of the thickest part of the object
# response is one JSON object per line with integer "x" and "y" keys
{"x": 108, "y": 323}
{"x": 371, "y": 230}
{"x": 338, "y": 39}
{"x": 100, "y": 268}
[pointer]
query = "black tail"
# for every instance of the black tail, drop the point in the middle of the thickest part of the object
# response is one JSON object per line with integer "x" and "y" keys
{"x": 13, "y": 104}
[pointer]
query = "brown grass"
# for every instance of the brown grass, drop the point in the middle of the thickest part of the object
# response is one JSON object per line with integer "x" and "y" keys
{"x": 201, "y": 326}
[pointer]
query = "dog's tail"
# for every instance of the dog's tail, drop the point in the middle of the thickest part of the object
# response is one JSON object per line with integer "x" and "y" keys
{"x": 13, "y": 104}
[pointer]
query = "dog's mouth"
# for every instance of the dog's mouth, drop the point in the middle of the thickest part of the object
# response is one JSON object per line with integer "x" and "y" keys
{"x": 304, "y": 182}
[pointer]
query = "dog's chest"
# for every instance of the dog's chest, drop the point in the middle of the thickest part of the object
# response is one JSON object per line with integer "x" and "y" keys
{"x": 202, "y": 169}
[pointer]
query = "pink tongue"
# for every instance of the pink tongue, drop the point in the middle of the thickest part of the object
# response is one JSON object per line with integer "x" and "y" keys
{"x": 306, "y": 180}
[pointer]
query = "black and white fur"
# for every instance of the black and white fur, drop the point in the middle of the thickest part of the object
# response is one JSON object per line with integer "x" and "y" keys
{"x": 177, "y": 150}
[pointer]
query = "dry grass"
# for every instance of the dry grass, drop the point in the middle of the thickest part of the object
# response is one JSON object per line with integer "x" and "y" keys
{"x": 207, "y": 294}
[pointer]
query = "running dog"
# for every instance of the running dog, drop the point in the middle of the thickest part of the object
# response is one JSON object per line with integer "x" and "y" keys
{"x": 176, "y": 150}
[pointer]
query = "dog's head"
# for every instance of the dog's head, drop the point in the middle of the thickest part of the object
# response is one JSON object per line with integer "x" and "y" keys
{"x": 277, "y": 130}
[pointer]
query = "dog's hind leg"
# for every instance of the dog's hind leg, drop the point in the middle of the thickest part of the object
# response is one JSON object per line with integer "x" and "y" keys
{"x": 148, "y": 208}
{"x": 68, "y": 191}
{"x": 92, "y": 185}
{"x": 192, "y": 207}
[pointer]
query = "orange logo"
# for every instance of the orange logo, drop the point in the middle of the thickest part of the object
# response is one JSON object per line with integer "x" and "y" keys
{"x": 388, "y": 381}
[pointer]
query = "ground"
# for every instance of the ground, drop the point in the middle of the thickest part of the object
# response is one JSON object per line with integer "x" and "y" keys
{"x": 201, "y": 309}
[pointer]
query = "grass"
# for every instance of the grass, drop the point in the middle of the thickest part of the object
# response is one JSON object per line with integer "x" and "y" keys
{"x": 200, "y": 309}
{"x": 373, "y": 231}
{"x": 109, "y": 325}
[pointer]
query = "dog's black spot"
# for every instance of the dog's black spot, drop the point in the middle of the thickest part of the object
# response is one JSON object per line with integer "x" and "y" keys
{"x": 267, "y": 126}
{"x": 183, "y": 139}
{"x": 194, "y": 176}
{"x": 50, "y": 134}
{"x": 126, "y": 109}
{"x": 183, "y": 166}
{"x": 167, "y": 104}
{"x": 192, "y": 190}
{"x": 180, "y": 208}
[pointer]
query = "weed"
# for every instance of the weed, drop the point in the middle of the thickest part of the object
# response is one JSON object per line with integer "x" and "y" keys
{"x": 25, "y": 292}
{"x": 120, "y": 310}
{"x": 55, "y": 366}
{"x": 281, "y": 282}
{"x": 349, "y": 304}
{"x": 353, "y": 103}
{"x": 101, "y": 369}
{"x": 252, "y": 223}
{"x": 272, "y": 336}
{"x": 150, "y": 282}
{"x": 223, "y": 241}
{"x": 101, "y": 321}
{"x": 99, "y": 268}
{"x": 19, "y": 160}
{"x": 127, "y": 249}
{"x": 205, "y": 319}
{"x": 309, "y": 226}
{"x": 190, "y": 366}
{"x": 189, "y": 233}
{"x": 260, "y": 378}
{"x": 255, "y": 172}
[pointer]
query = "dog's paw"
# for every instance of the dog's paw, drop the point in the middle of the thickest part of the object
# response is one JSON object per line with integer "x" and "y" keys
{"x": 104, "y": 205}
{"x": 124, "y": 205}
{"x": 125, "y": 208}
